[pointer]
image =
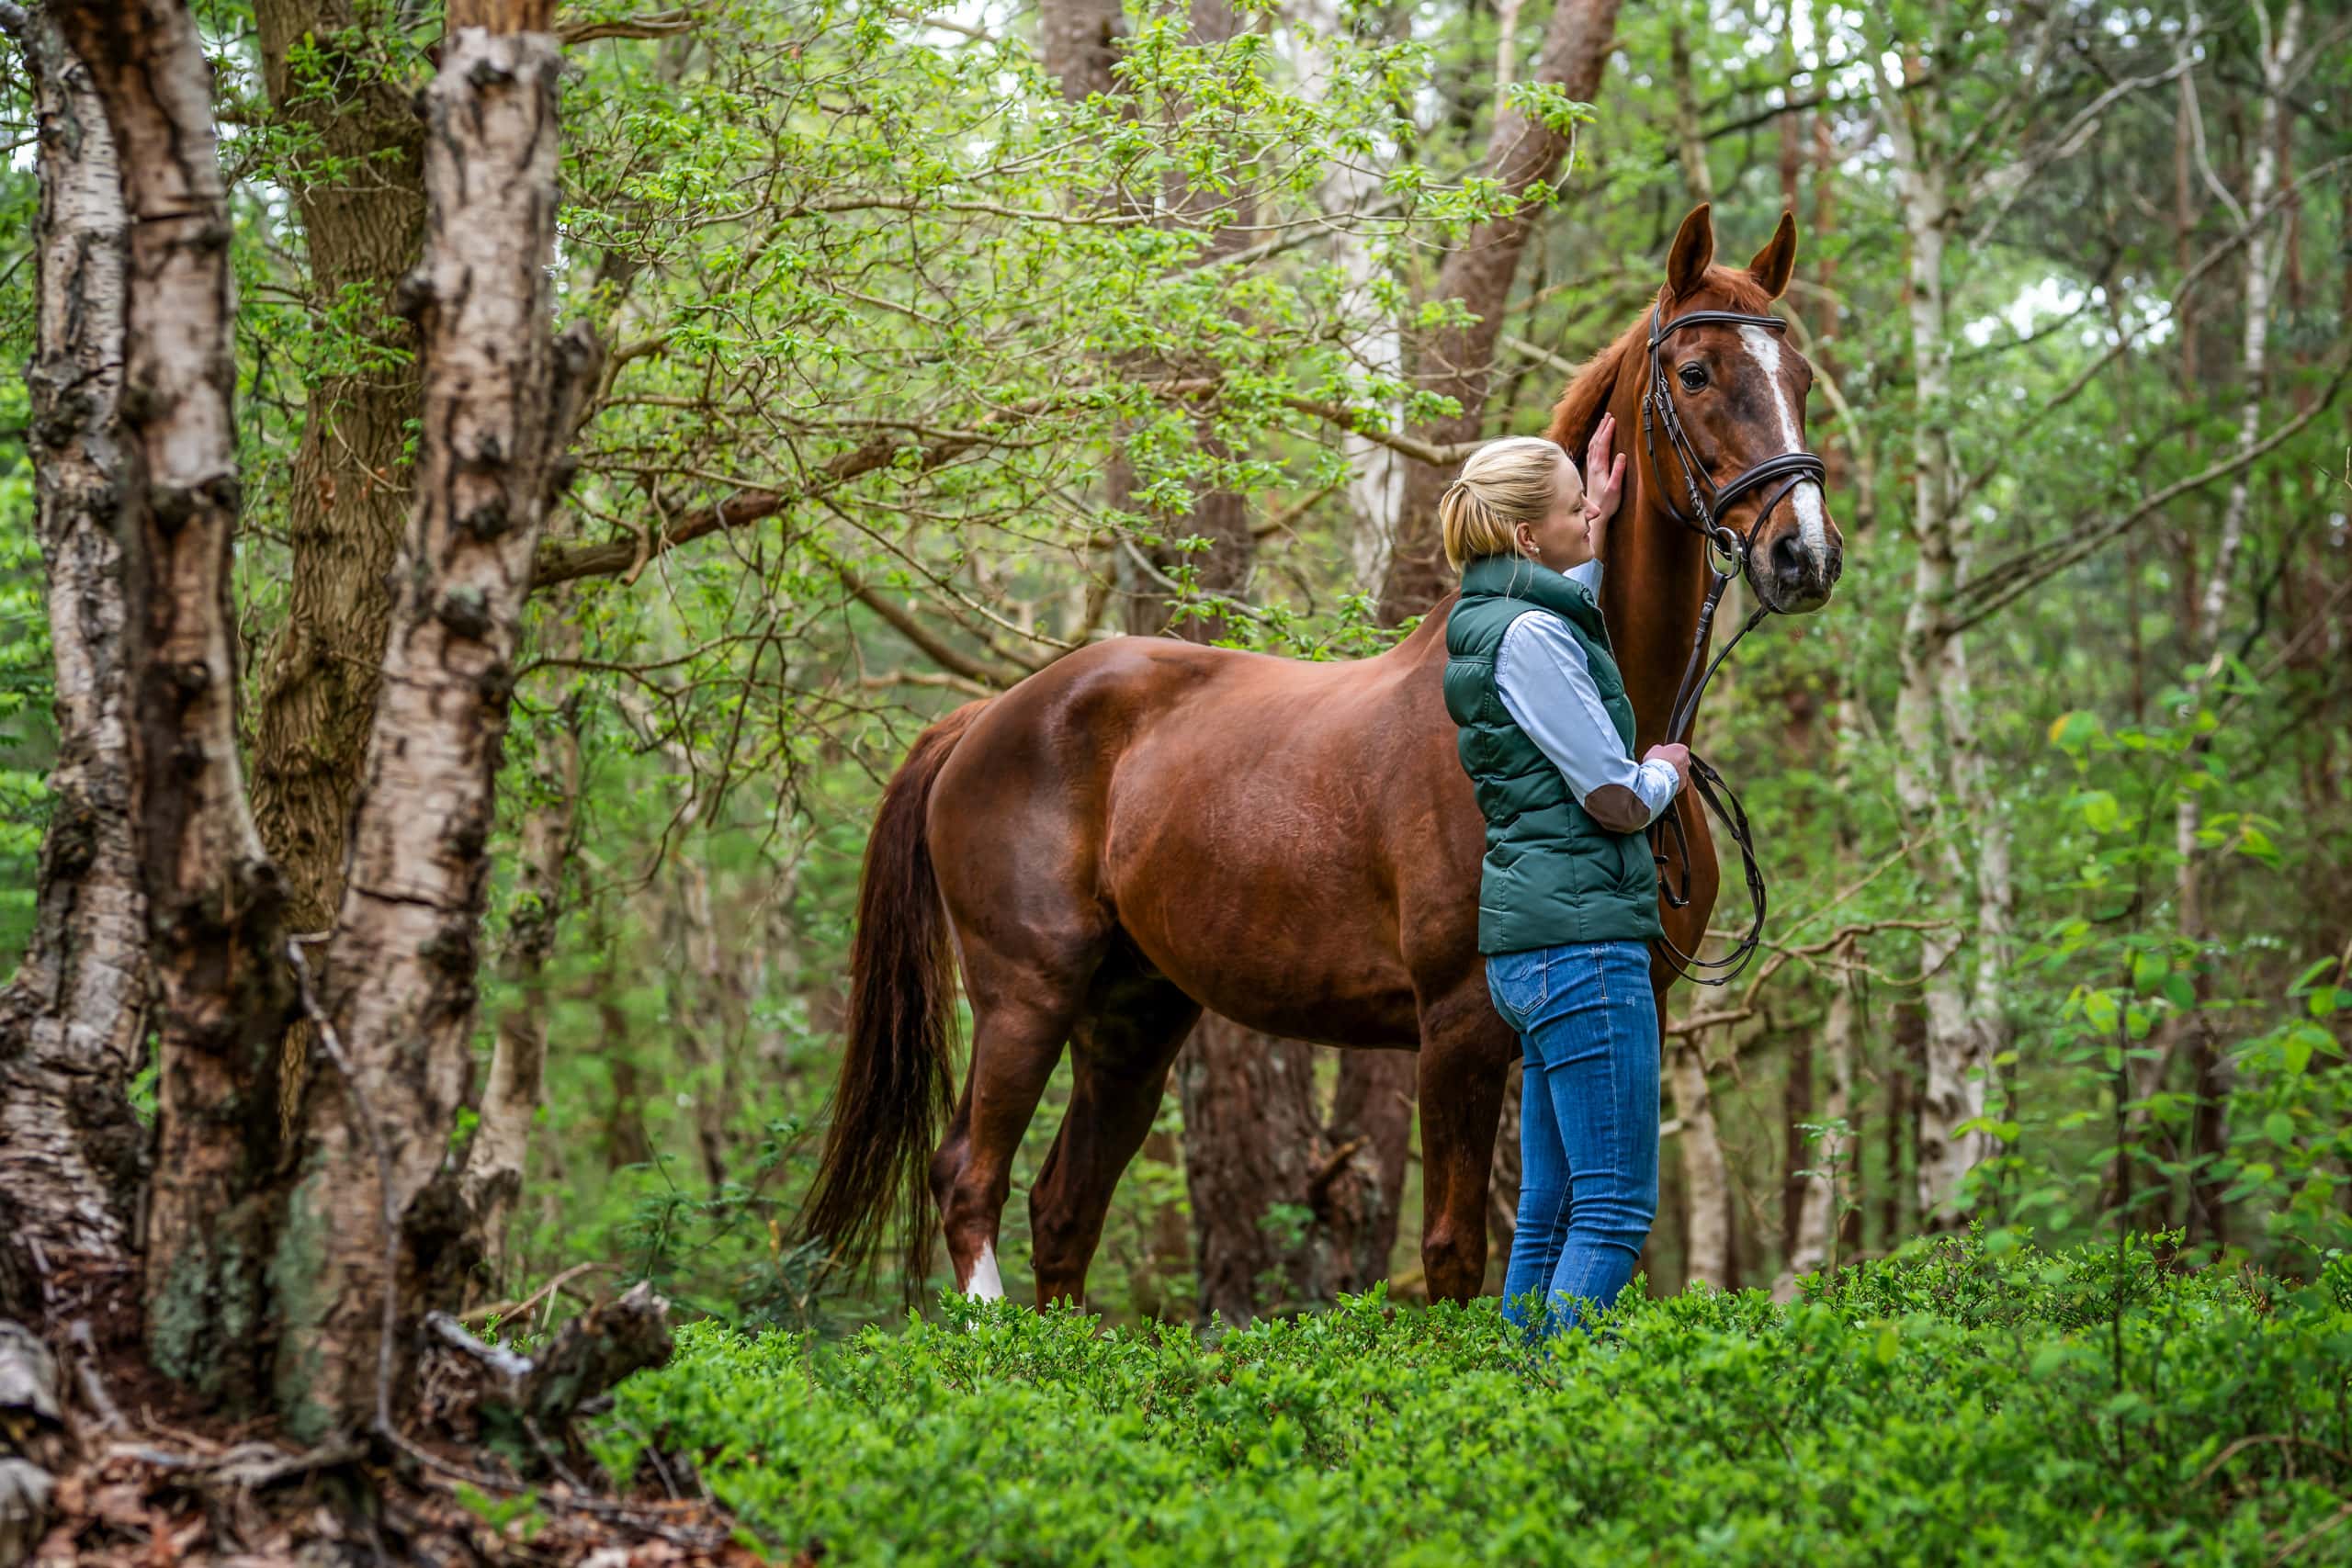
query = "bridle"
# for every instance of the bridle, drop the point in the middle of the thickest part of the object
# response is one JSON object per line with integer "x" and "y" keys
{"x": 1728, "y": 555}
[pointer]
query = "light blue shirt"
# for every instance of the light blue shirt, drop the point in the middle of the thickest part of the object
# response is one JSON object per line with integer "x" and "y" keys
{"x": 1545, "y": 682}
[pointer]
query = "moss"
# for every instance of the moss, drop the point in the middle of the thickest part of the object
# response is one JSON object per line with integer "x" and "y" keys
{"x": 297, "y": 1266}
{"x": 204, "y": 1320}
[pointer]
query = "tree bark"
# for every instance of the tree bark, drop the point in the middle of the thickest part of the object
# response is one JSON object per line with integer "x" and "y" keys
{"x": 358, "y": 188}
{"x": 1935, "y": 677}
{"x": 2206, "y": 1216}
{"x": 1251, "y": 1144}
{"x": 1821, "y": 1192}
{"x": 1458, "y": 361}
{"x": 1706, "y": 1176}
{"x": 71, "y": 1022}
{"x": 1078, "y": 41}
{"x": 214, "y": 899}
{"x": 400, "y": 986}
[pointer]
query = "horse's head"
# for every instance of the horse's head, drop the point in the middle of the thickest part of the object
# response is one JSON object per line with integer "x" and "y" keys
{"x": 1726, "y": 398}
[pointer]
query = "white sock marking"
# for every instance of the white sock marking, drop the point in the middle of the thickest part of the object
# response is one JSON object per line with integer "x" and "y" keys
{"x": 1812, "y": 521}
{"x": 987, "y": 1284}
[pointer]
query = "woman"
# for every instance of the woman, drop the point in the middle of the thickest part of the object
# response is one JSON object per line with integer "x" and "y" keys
{"x": 1567, "y": 898}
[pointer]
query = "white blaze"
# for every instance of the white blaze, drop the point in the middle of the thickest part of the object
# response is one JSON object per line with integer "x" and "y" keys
{"x": 1812, "y": 521}
{"x": 987, "y": 1284}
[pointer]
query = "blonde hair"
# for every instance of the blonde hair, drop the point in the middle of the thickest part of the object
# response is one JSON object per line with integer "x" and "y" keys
{"x": 1505, "y": 483}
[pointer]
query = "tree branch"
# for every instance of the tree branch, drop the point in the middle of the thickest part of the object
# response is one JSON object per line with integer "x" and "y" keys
{"x": 1995, "y": 589}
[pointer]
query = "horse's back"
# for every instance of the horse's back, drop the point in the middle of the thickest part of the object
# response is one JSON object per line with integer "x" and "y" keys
{"x": 1219, "y": 805}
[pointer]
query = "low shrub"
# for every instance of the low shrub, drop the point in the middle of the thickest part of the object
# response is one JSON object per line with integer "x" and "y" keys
{"x": 1963, "y": 1402}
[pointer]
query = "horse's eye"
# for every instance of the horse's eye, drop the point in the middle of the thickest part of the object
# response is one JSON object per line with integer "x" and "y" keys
{"x": 1694, "y": 377}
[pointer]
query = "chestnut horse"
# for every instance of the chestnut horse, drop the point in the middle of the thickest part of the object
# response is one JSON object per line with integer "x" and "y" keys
{"x": 1148, "y": 828}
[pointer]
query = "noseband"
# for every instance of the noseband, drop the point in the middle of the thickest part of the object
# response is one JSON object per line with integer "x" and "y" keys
{"x": 1729, "y": 553}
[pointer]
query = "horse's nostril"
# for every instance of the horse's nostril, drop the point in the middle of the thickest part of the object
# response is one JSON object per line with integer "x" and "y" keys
{"x": 1788, "y": 558}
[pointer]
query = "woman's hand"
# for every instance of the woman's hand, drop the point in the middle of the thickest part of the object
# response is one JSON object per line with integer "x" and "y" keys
{"x": 1604, "y": 482}
{"x": 1677, "y": 757}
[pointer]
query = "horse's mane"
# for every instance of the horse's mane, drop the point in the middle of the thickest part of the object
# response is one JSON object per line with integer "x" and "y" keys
{"x": 1578, "y": 412}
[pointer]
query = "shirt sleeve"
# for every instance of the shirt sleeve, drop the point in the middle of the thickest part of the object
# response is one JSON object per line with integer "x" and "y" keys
{"x": 1588, "y": 574}
{"x": 1546, "y": 686}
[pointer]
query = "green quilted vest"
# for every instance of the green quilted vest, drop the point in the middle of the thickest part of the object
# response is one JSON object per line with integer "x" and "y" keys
{"x": 1552, "y": 873}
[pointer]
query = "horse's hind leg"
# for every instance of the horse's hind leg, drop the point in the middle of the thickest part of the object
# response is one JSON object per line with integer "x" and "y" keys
{"x": 1017, "y": 1040}
{"x": 1134, "y": 1026}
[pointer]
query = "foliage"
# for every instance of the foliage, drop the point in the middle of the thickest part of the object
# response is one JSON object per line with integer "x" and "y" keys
{"x": 1955, "y": 1404}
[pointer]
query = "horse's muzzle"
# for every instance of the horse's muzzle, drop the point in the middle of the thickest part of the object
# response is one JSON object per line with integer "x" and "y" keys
{"x": 1797, "y": 580}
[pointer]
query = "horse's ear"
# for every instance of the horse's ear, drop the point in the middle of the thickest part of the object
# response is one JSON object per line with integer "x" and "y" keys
{"x": 1776, "y": 260}
{"x": 1694, "y": 248}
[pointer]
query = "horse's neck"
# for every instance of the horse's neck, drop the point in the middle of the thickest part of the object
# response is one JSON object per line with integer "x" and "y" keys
{"x": 1654, "y": 582}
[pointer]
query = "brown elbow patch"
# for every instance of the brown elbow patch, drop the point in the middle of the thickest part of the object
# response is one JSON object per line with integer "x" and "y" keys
{"x": 1617, "y": 809}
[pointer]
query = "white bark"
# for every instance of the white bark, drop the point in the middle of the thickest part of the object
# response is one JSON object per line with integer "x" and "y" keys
{"x": 213, "y": 897}
{"x": 1825, "y": 1195}
{"x": 1376, "y": 487}
{"x": 1932, "y": 757}
{"x": 1706, "y": 1177}
{"x": 71, "y": 1023}
{"x": 400, "y": 970}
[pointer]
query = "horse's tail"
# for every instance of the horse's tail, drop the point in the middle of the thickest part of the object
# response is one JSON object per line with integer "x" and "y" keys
{"x": 897, "y": 1069}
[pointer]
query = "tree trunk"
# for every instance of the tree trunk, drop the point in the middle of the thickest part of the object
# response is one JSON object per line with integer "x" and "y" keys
{"x": 400, "y": 986}
{"x": 1705, "y": 1175}
{"x": 1372, "y": 1109}
{"x": 1376, "y": 487}
{"x": 2206, "y": 1218}
{"x": 1822, "y": 1191}
{"x": 357, "y": 185}
{"x": 1458, "y": 360}
{"x": 71, "y": 1024}
{"x": 1079, "y": 40}
{"x": 710, "y": 1025}
{"x": 214, "y": 900}
{"x": 1934, "y": 663}
{"x": 1251, "y": 1144}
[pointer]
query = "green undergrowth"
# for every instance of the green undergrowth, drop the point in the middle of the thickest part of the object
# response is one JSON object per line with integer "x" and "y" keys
{"x": 1962, "y": 1404}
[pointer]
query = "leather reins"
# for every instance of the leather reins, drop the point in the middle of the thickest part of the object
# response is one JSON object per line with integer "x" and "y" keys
{"x": 1728, "y": 555}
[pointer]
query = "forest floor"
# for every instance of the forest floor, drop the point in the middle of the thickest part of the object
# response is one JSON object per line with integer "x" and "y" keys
{"x": 1956, "y": 1404}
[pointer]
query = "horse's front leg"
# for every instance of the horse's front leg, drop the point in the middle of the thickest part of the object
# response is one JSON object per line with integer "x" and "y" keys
{"x": 1467, "y": 1050}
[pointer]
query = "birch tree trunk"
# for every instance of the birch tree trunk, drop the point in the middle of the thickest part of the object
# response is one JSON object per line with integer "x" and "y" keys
{"x": 214, "y": 899}
{"x": 1822, "y": 1195}
{"x": 72, "y": 1022}
{"x": 1706, "y": 1176}
{"x": 1934, "y": 662}
{"x": 400, "y": 986}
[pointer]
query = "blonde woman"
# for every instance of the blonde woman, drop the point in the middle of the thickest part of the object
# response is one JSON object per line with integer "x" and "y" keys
{"x": 1568, "y": 895}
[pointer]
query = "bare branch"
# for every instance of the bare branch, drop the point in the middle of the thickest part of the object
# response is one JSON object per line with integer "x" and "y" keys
{"x": 661, "y": 24}
{"x": 2000, "y": 585}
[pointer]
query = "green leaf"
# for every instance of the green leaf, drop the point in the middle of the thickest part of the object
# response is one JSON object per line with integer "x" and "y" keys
{"x": 2101, "y": 813}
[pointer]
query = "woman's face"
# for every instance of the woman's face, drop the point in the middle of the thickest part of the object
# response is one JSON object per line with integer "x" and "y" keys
{"x": 1564, "y": 539}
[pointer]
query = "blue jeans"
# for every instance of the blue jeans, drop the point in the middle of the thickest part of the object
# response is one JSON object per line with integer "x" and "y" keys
{"x": 1587, "y": 1124}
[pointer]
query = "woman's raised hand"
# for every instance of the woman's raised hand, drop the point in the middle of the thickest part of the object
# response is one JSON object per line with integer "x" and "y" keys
{"x": 1604, "y": 480}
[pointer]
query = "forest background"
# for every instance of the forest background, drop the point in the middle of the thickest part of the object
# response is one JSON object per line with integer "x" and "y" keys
{"x": 938, "y": 344}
